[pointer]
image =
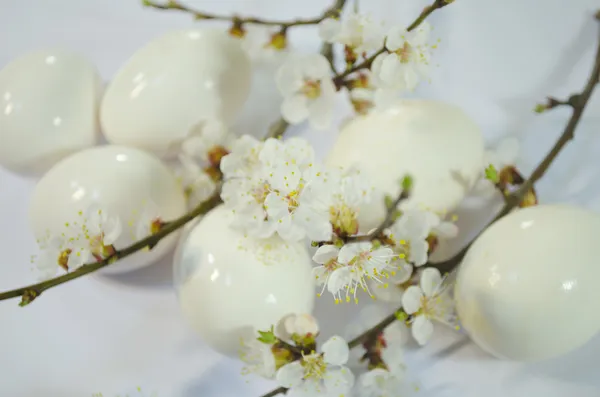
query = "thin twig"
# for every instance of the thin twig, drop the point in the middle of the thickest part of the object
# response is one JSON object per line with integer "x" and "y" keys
{"x": 278, "y": 128}
{"x": 387, "y": 221}
{"x": 436, "y": 5}
{"x": 383, "y": 324}
{"x": 177, "y": 6}
{"x": 30, "y": 292}
{"x": 275, "y": 392}
{"x": 577, "y": 102}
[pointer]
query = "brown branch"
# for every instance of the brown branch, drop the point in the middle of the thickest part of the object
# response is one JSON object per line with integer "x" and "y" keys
{"x": 368, "y": 334}
{"x": 275, "y": 392}
{"x": 172, "y": 5}
{"x": 577, "y": 102}
{"x": 339, "y": 80}
{"x": 30, "y": 292}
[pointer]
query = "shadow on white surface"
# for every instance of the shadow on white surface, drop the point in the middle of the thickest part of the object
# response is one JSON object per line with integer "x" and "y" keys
{"x": 228, "y": 385}
{"x": 156, "y": 276}
{"x": 579, "y": 367}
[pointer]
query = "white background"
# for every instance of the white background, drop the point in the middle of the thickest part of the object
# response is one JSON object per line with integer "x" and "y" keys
{"x": 110, "y": 335}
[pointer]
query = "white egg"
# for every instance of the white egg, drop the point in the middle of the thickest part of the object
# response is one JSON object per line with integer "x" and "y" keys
{"x": 527, "y": 289}
{"x": 173, "y": 83}
{"x": 434, "y": 142}
{"x": 49, "y": 103}
{"x": 229, "y": 284}
{"x": 125, "y": 182}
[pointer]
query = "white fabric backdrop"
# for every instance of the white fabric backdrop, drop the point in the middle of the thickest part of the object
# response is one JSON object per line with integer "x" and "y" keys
{"x": 110, "y": 335}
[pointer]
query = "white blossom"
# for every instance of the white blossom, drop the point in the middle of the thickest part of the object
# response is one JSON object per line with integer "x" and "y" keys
{"x": 358, "y": 263}
{"x": 297, "y": 324}
{"x": 426, "y": 302}
{"x": 197, "y": 184}
{"x": 504, "y": 155}
{"x": 200, "y": 150}
{"x": 101, "y": 230}
{"x": 277, "y": 190}
{"x": 203, "y": 138}
{"x": 409, "y": 234}
{"x": 61, "y": 251}
{"x": 149, "y": 221}
{"x": 320, "y": 373}
{"x": 242, "y": 161}
{"x": 258, "y": 358}
{"x": 348, "y": 192}
{"x": 356, "y": 31}
{"x": 379, "y": 382}
{"x": 375, "y": 94}
{"x": 308, "y": 90}
{"x": 441, "y": 228}
{"x": 407, "y": 61}
{"x": 326, "y": 256}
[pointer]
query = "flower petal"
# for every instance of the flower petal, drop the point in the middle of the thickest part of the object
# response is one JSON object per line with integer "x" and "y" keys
{"x": 276, "y": 206}
{"x": 294, "y": 109}
{"x": 338, "y": 382}
{"x": 431, "y": 279}
{"x": 325, "y": 253}
{"x": 112, "y": 231}
{"x": 411, "y": 300}
{"x": 289, "y": 230}
{"x": 320, "y": 112}
{"x": 418, "y": 252}
{"x": 320, "y": 273}
{"x": 395, "y": 38}
{"x": 446, "y": 230}
{"x": 289, "y": 78}
{"x": 392, "y": 71}
{"x": 315, "y": 66}
{"x": 339, "y": 278}
{"x": 329, "y": 29}
{"x": 422, "y": 329}
{"x": 290, "y": 375}
{"x": 336, "y": 351}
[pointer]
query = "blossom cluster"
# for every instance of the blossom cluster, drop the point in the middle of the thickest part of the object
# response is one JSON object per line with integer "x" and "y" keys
{"x": 288, "y": 353}
{"x": 278, "y": 188}
{"x": 392, "y": 61}
{"x": 94, "y": 236}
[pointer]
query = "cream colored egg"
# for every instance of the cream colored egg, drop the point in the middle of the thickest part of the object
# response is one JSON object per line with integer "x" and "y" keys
{"x": 229, "y": 285}
{"x": 173, "y": 83}
{"x": 49, "y": 103}
{"x": 527, "y": 289}
{"x": 125, "y": 182}
{"x": 434, "y": 142}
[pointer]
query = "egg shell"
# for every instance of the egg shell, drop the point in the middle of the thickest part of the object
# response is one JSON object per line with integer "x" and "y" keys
{"x": 434, "y": 142}
{"x": 49, "y": 102}
{"x": 122, "y": 181}
{"x": 230, "y": 285}
{"x": 524, "y": 286}
{"x": 171, "y": 85}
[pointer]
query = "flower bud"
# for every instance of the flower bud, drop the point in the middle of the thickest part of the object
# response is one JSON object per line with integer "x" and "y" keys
{"x": 278, "y": 40}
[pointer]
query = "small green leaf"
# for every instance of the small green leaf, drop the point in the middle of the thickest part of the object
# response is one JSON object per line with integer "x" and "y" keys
{"x": 267, "y": 337}
{"x": 540, "y": 108}
{"x": 396, "y": 215}
{"x": 147, "y": 3}
{"x": 388, "y": 200}
{"x": 401, "y": 316}
{"x": 492, "y": 174}
{"x": 407, "y": 183}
